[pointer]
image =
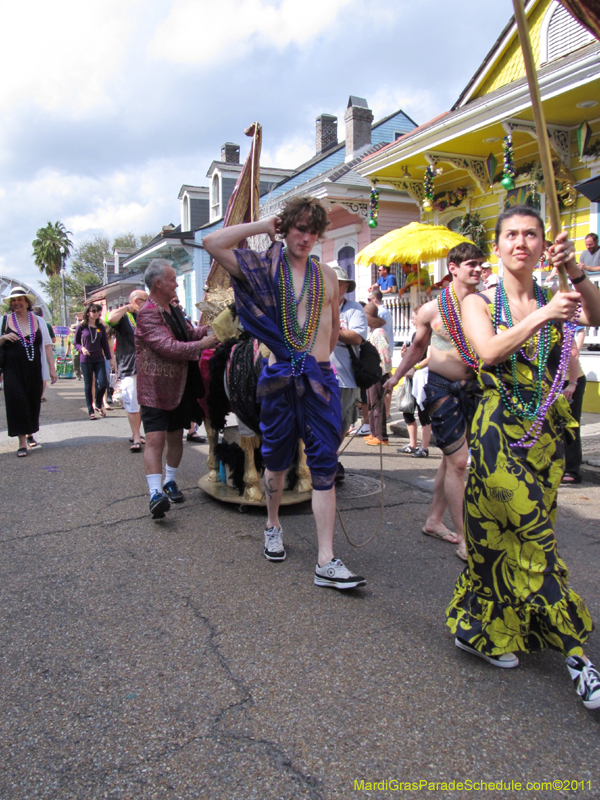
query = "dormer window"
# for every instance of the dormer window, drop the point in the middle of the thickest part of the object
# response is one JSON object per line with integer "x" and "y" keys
{"x": 561, "y": 34}
{"x": 215, "y": 197}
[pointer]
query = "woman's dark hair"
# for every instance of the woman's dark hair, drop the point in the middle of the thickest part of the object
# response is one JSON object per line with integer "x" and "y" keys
{"x": 294, "y": 210}
{"x": 518, "y": 211}
{"x": 85, "y": 322}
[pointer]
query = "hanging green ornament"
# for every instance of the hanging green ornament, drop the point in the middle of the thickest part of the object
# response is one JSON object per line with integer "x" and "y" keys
{"x": 508, "y": 180}
{"x": 373, "y": 207}
{"x": 428, "y": 189}
{"x": 584, "y": 133}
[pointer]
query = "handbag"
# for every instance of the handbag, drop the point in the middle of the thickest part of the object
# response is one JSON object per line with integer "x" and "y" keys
{"x": 366, "y": 366}
{"x": 406, "y": 400}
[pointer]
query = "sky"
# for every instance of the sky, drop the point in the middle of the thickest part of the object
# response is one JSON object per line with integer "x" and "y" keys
{"x": 109, "y": 106}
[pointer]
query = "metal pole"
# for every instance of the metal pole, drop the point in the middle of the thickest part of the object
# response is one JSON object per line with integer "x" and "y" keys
{"x": 542, "y": 132}
{"x": 64, "y": 315}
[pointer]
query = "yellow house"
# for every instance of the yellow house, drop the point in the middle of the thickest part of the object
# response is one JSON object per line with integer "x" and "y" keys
{"x": 465, "y": 146}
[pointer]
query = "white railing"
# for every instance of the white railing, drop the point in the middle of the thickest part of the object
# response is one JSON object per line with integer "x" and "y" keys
{"x": 401, "y": 310}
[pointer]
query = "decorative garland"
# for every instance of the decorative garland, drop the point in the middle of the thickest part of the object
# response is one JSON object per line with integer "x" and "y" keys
{"x": 449, "y": 309}
{"x": 373, "y": 207}
{"x": 428, "y": 189}
{"x": 508, "y": 180}
{"x": 593, "y": 149}
{"x": 451, "y": 199}
{"x": 537, "y": 408}
{"x": 473, "y": 228}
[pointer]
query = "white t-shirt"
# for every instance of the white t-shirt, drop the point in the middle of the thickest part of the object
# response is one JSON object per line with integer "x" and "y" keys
{"x": 352, "y": 318}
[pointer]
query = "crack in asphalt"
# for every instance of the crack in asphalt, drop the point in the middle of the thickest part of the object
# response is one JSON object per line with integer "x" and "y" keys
{"x": 272, "y": 749}
{"x": 104, "y": 523}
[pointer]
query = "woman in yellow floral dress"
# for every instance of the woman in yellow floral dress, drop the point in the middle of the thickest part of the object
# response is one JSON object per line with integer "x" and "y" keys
{"x": 514, "y": 593}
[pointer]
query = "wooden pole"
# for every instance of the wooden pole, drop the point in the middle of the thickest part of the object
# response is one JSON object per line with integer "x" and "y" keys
{"x": 542, "y": 132}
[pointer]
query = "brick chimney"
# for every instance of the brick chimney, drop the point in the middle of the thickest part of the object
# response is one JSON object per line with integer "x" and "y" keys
{"x": 230, "y": 153}
{"x": 326, "y": 132}
{"x": 358, "y": 118}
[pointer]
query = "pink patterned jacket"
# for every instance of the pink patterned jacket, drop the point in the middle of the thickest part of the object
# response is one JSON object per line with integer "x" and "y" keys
{"x": 161, "y": 359}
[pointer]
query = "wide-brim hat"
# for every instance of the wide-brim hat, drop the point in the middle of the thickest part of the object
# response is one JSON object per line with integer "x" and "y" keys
{"x": 19, "y": 291}
{"x": 342, "y": 275}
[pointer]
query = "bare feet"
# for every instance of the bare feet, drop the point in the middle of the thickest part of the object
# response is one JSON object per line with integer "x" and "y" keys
{"x": 462, "y": 554}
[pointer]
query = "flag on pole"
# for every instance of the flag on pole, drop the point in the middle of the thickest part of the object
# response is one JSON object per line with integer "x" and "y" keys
{"x": 243, "y": 203}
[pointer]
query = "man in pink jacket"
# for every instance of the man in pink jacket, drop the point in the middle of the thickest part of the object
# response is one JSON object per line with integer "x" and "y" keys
{"x": 168, "y": 384}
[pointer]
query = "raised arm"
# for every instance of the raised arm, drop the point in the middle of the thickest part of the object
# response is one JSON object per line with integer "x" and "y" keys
{"x": 563, "y": 252}
{"x": 221, "y": 244}
{"x": 495, "y": 348}
{"x": 416, "y": 349}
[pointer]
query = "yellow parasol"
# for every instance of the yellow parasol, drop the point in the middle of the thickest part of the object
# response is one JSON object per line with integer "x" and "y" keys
{"x": 410, "y": 245}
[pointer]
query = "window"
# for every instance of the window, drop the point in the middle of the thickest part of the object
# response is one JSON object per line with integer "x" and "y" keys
{"x": 346, "y": 261}
{"x": 215, "y": 196}
{"x": 561, "y": 34}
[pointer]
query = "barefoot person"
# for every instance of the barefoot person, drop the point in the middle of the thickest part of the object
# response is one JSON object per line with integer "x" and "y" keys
{"x": 514, "y": 595}
{"x": 449, "y": 389}
{"x": 289, "y": 301}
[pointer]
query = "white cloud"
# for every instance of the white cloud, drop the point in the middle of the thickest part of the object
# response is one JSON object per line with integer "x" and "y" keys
{"x": 199, "y": 31}
{"x": 421, "y": 105}
{"x": 290, "y": 154}
{"x": 61, "y": 55}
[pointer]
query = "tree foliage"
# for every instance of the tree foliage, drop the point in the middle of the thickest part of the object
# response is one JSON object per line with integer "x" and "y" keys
{"x": 89, "y": 256}
{"x": 51, "y": 248}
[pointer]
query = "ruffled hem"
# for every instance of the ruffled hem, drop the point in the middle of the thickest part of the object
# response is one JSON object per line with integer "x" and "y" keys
{"x": 495, "y": 628}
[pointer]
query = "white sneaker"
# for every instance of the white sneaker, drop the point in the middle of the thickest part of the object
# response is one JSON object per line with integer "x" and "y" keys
{"x": 506, "y": 660}
{"x": 364, "y": 430}
{"x": 586, "y": 680}
{"x": 274, "y": 549}
{"x": 337, "y": 576}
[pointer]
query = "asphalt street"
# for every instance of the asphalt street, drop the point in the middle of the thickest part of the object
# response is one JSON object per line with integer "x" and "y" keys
{"x": 169, "y": 659}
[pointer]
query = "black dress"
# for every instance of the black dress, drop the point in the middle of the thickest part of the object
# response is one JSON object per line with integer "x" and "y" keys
{"x": 23, "y": 386}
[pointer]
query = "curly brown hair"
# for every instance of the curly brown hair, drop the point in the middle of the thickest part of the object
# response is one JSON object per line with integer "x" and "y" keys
{"x": 300, "y": 207}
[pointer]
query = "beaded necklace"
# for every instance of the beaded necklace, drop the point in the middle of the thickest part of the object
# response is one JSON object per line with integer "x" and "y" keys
{"x": 28, "y": 345}
{"x": 131, "y": 319}
{"x": 449, "y": 309}
{"x": 537, "y": 408}
{"x": 92, "y": 337}
{"x": 299, "y": 338}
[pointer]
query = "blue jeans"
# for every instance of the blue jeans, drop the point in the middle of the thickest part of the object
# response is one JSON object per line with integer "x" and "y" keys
{"x": 88, "y": 370}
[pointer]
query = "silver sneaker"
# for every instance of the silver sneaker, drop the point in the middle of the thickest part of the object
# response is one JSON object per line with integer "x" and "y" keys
{"x": 506, "y": 660}
{"x": 337, "y": 576}
{"x": 274, "y": 549}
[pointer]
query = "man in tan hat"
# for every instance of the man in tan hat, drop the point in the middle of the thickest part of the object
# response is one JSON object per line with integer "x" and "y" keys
{"x": 488, "y": 278}
{"x": 354, "y": 329}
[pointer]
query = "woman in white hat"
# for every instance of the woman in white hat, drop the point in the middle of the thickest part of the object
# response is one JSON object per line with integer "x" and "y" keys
{"x": 26, "y": 351}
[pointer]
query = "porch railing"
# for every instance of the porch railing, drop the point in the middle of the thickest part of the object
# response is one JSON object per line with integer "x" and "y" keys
{"x": 401, "y": 310}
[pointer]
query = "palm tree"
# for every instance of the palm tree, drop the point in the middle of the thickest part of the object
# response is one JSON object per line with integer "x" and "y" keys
{"x": 51, "y": 248}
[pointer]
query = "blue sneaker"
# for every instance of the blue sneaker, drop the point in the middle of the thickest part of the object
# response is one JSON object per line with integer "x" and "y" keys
{"x": 173, "y": 492}
{"x": 159, "y": 505}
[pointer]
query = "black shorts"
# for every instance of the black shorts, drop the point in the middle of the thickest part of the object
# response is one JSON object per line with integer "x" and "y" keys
{"x": 155, "y": 419}
{"x": 423, "y": 418}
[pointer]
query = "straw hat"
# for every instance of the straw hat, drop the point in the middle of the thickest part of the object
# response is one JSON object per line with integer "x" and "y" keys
{"x": 342, "y": 275}
{"x": 19, "y": 291}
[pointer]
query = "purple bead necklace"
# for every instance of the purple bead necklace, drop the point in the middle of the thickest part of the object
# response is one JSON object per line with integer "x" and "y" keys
{"x": 533, "y": 434}
{"x": 28, "y": 345}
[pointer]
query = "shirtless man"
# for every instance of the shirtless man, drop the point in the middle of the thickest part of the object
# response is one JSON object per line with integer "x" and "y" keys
{"x": 290, "y": 302}
{"x": 449, "y": 402}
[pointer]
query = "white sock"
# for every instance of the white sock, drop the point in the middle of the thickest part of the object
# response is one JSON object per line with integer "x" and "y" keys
{"x": 154, "y": 483}
{"x": 170, "y": 473}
